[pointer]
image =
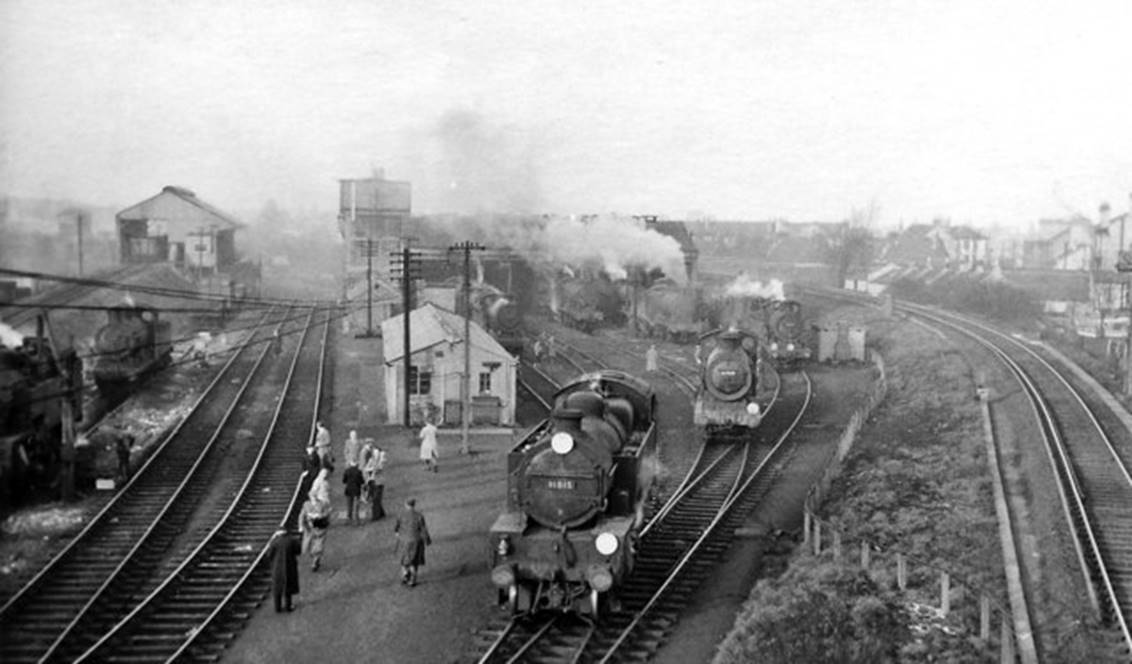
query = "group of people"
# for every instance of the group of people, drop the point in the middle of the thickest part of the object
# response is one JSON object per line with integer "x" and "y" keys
{"x": 364, "y": 482}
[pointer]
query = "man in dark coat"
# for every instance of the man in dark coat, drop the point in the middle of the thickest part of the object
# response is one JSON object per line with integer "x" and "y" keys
{"x": 411, "y": 527}
{"x": 353, "y": 479}
{"x": 284, "y": 550}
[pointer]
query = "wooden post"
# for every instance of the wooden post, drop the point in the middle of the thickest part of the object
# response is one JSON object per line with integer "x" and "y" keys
{"x": 817, "y": 537}
{"x": 837, "y": 545}
{"x": 984, "y": 618}
{"x": 944, "y": 593}
{"x": 806, "y": 528}
{"x": 864, "y": 555}
{"x": 901, "y": 572}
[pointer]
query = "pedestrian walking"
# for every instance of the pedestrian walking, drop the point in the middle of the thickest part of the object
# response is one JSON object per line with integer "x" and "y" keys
{"x": 284, "y": 551}
{"x": 320, "y": 487}
{"x": 374, "y": 473}
{"x": 537, "y": 348}
{"x": 412, "y": 530}
{"x": 430, "y": 453}
{"x": 322, "y": 445}
{"x": 313, "y": 461}
{"x": 123, "y": 446}
{"x": 276, "y": 342}
{"x": 353, "y": 479}
{"x": 351, "y": 448}
{"x": 651, "y": 358}
{"x": 315, "y": 522}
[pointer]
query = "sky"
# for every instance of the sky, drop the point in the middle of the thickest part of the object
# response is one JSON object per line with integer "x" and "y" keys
{"x": 983, "y": 112}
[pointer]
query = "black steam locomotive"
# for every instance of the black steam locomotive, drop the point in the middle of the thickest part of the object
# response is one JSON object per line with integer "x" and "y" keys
{"x": 499, "y": 315}
{"x": 133, "y": 344}
{"x": 33, "y": 383}
{"x": 778, "y": 323}
{"x": 576, "y": 491}
{"x": 737, "y": 385}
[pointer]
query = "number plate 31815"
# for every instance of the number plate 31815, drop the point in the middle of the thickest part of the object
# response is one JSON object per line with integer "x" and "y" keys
{"x": 560, "y": 485}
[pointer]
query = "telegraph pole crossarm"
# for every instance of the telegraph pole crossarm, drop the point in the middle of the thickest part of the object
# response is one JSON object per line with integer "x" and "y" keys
{"x": 465, "y": 385}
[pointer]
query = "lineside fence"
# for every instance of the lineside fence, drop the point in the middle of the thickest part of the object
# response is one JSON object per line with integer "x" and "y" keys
{"x": 938, "y": 598}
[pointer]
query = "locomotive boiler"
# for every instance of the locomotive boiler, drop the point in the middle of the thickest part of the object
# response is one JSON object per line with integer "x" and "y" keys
{"x": 133, "y": 344}
{"x": 737, "y": 385}
{"x": 576, "y": 491}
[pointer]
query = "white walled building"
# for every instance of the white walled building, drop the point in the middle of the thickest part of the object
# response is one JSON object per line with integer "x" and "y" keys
{"x": 437, "y": 365}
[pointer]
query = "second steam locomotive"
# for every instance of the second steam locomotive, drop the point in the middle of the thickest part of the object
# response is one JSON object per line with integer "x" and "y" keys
{"x": 737, "y": 385}
{"x": 576, "y": 491}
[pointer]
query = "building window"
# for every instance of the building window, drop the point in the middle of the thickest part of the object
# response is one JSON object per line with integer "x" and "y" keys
{"x": 420, "y": 382}
{"x": 485, "y": 383}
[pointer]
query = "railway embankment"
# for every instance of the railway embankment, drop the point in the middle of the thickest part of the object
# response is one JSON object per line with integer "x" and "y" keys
{"x": 913, "y": 482}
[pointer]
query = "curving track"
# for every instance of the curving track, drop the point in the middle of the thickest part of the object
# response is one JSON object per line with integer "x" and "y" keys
{"x": 1090, "y": 451}
{"x": 1092, "y": 462}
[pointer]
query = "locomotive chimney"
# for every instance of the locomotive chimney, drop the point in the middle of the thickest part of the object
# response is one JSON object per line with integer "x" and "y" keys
{"x": 568, "y": 420}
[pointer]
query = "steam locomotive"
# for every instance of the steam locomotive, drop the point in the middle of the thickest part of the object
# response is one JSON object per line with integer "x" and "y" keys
{"x": 133, "y": 344}
{"x": 671, "y": 312}
{"x": 778, "y": 323}
{"x": 587, "y": 302}
{"x": 33, "y": 382}
{"x": 498, "y": 314}
{"x": 737, "y": 384}
{"x": 576, "y": 491}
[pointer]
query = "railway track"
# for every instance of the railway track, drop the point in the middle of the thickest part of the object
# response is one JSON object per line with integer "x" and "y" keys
{"x": 1090, "y": 451}
{"x": 192, "y": 614}
{"x": 677, "y": 550}
{"x": 161, "y": 513}
{"x": 1092, "y": 463}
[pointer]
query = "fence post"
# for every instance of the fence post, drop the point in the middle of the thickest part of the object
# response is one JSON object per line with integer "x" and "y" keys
{"x": 1007, "y": 651}
{"x": 864, "y": 555}
{"x": 817, "y": 536}
{"x": 806, "y": 528}
{"x": 944, "y": 593}
{"x": 984, "y": 618}
{"x": 901, "y": 572}
{"x": 837, "y": 545}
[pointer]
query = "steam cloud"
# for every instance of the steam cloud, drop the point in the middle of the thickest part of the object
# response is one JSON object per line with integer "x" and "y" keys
{"x": 491, "y": 185}
{"x": 10, "y": 337}
{"x": 744, "y": 286}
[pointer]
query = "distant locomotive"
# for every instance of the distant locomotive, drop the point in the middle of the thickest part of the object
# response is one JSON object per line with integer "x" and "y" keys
{"x": 499, "y": 314}
{"x": 778, "y": 323}
{"x": 33, "y": 383}
{"x": 737, "y": 385}
{"x": 133, "y": 344}
{"x": 576, "y": 491}
{"x": 670, "y": 312}
{"x": 587, "y": 303}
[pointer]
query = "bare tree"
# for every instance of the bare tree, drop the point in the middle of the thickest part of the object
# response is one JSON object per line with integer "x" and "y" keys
{"x": 852, "y": 245}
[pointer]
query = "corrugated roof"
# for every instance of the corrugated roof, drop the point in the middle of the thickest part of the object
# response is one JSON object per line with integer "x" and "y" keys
{"x": 172, "y": 204}
{"x": 431, "y": 325}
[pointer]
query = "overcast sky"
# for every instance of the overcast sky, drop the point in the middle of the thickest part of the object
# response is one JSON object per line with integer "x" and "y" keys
{"x": 982, "y": 111}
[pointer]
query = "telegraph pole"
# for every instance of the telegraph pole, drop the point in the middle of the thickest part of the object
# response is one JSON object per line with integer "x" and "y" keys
{"x": 369, "y": 286}
{"x": 465, "y": 385}
{"x": 79, "y": 223}
{"x": 408, "y": 270}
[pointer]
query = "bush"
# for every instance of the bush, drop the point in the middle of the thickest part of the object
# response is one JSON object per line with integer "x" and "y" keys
{"x": 992, "y": 299}
{"x": 818, "y": 612}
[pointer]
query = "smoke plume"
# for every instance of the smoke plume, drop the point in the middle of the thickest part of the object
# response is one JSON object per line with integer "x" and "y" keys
{"x": 744, "y": 286}
{"x": 10, "y": 337}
